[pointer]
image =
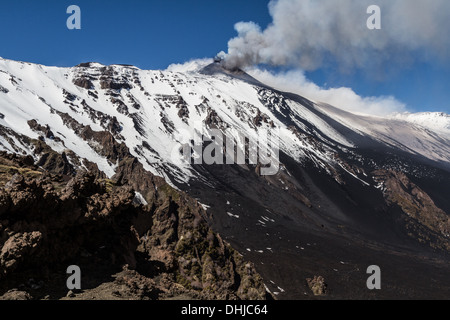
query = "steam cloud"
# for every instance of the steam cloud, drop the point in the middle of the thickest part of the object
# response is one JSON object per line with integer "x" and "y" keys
{"x": 309, "y": 33}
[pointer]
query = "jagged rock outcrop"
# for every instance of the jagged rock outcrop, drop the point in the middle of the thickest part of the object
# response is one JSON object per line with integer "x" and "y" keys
{"x": 417, "y": 205}
{"x": 165, "y": 247}
{"x": 317, "y": 285}
{"x": 83, "y": 83}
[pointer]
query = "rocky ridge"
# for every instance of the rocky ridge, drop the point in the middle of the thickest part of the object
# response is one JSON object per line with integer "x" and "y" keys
{"x": 159, "y": 247}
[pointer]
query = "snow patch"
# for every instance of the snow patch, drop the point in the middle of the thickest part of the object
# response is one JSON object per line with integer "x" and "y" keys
{"x": 232, "y": 215}
{"x": 204, "y": 206}
{"x": 138, "y": 198}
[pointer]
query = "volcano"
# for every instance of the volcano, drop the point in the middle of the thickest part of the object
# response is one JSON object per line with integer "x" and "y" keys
{"x": 352, "y": 191}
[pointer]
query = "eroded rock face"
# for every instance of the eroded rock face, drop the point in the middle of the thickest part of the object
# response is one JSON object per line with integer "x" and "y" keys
{"x": 17, "y": 247}
{"x": 83, "y": 82}
{"x": 16, "y": 295}
{"x": 399, "y": 190}
{"x": 317, "y": 285}
{"x": 165, "y": 247}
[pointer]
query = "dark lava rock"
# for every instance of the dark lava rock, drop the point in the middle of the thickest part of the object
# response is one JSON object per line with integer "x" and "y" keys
{"x": 166, "y": 248}
{"x": 83, "y": 83}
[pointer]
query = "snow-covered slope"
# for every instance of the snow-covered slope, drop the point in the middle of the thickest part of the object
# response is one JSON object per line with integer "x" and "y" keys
{"x": 435, "y": 121}
{"x": 155, "y": 113}
{"x": 158, "y": 107}
{"x": 425, "y": 134}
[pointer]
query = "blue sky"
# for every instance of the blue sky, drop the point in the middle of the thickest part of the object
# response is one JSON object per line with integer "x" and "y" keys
{"x": 149, "y": 34}
{"x": 154, "y": 34}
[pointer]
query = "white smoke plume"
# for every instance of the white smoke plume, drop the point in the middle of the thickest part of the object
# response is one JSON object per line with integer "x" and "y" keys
{"x": 189, "y": 66}
{"x": 310, "y": 33}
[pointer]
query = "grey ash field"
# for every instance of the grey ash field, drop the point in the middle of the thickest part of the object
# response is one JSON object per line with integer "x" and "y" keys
{"x": 88, "y": 177}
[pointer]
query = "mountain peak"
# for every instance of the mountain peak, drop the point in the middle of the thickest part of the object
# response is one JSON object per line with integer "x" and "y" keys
{"x": 100, "y": 65}
{"x": 217, "y": 67}
{"x": 89, "y": 65}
